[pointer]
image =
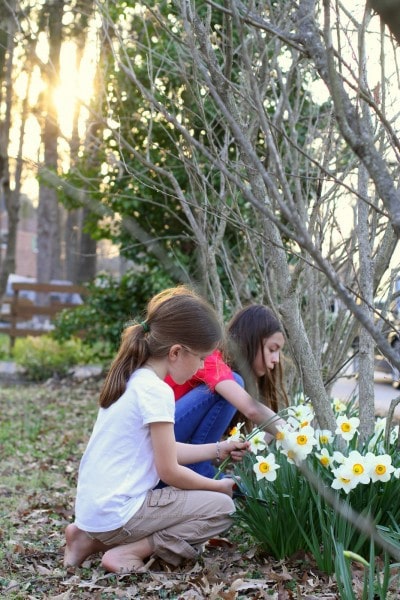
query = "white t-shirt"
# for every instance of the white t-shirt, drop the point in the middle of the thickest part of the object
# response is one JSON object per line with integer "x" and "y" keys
{"x": 117, "y": 468}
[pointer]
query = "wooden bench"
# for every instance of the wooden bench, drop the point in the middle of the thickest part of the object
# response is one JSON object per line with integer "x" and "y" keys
{"x": 19, "y": 310}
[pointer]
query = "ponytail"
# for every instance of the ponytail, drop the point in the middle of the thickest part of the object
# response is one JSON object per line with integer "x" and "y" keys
{"x": 132, "y": 354}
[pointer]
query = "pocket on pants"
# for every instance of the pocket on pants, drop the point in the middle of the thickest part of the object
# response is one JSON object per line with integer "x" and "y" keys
{"x": 162, "y": 496}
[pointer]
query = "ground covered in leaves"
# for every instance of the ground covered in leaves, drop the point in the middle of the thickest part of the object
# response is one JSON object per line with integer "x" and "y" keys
{"x": 43, "y": 432}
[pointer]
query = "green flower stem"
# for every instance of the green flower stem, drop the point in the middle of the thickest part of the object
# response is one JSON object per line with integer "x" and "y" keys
{"x": 247, "y": 438}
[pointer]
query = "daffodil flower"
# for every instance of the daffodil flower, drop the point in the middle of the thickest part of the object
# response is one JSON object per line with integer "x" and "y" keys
{"x": 380, "y": 424}
{"x": 338, "y": 406}
{"x": 359, "y": 465}
{"x": 296, "y": 424}
{"x": 380, "y": 467}
{"x": 355, "y": 468}
{"x": 324, "y": 437}
{"x": 394, "y": 434}
{"x": 324, "y": 458}
{"x": 299, "y": 398}
{"x": 235, "y": 433}
{"x": 257, "y": 442}
{"x": 338, "y": 457}
{"x": 380, "y": 428}
{"x": 342, "y": 480}
{"x": 281, "y": 434}
{"x": 376, "y": 443}
{"x": 347, "y": 427}
{"x": 266, "y": 467}
{"x": 297, "y": 445}
{"x": 303, "y": 413}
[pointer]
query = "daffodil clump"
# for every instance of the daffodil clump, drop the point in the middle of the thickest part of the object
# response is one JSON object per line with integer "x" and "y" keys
{"x": 286, "y": 512}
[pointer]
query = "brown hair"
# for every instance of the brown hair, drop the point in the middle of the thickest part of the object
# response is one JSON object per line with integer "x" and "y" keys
{"x": 174, "y": 316}
{"x": 247, "y": 332}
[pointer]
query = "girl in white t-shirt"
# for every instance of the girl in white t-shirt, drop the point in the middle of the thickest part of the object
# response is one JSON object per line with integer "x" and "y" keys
{"x": 133, "y": 446}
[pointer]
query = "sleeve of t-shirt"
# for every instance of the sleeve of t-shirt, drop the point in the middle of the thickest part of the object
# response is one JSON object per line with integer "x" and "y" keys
{"x": 157, "y": 403}
{"x": 214, "y": 371}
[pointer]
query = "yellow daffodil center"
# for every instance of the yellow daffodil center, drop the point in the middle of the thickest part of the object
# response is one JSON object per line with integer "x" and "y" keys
{"x": 304, "y": 424}
{"x": 358, "y": 469}
{"x": 344, "y": 480}
{"x": 280, "y": 435}
{"x": 380, "y": 469}
{"x": 233, "y": 431}
{"x": 345, "y": 427}
{"x": 264, "y": 467}
{"x": 291, "y": 454}
{"x": 324, "y": 460}
{"x": 323, "y": 439}
{"x": 301, "y": 440}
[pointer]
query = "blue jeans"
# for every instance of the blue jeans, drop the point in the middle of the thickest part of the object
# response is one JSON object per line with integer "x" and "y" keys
{"x": 202, "y": 417}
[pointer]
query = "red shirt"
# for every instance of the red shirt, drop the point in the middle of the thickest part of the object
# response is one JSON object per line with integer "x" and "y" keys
{"x": 214, "y": 371}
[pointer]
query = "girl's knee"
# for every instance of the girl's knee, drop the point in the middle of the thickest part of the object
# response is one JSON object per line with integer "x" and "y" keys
{"x": 225, "y": 505}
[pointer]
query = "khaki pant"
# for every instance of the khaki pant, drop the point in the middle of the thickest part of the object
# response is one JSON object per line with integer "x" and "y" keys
{"x": 175, "y": 521}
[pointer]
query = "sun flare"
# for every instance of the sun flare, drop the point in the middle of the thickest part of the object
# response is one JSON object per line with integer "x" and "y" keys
{"x": 76, "y": 86}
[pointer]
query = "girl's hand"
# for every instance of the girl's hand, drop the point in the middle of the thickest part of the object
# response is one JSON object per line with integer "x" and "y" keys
{"x": 235, "y": 449}
{"x": 226, "y": 486}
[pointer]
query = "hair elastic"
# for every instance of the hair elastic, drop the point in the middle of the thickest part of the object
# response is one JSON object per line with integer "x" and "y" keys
{"x": 145, "y": 326}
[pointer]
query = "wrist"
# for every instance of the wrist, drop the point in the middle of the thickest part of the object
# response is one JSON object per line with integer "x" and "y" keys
{"x": 218, "y": 453}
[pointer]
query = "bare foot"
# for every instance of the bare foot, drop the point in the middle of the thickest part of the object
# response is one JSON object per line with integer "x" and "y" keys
{"x": 128, "y": 557}
{"x": 79, "y": 546}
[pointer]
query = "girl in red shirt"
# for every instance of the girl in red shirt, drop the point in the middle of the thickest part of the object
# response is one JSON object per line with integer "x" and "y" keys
{"x": 206, "y": 404}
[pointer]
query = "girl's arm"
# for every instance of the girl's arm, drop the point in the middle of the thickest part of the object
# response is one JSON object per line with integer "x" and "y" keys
{"x": 166, "y": 452}
{"x": 254, "y": 410}
{"x": 192, "y": 453}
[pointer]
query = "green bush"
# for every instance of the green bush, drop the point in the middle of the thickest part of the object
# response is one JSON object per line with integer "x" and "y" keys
{"x": 44, "y": 357}
{"x": 110, "y": 303}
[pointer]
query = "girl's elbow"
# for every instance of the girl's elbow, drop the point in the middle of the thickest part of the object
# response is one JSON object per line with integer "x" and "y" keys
{"x": 254, "y": 414}
{"x": 167, "y": 475}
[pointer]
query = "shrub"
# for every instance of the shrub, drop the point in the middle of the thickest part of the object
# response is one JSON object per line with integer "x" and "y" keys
{"x": 44, "y": 357}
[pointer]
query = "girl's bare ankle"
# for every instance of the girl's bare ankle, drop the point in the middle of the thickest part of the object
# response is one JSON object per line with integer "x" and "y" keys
{"x": 79, "y": 546}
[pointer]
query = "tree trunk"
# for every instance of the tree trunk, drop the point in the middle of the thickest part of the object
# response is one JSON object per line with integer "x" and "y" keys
{"x": 87, "y": 259}
{"x": 49, "y": 241}
{"x": 10, "y": 197}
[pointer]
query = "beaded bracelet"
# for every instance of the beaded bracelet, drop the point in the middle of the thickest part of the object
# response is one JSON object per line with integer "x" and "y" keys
{"x": 218, "y": 457}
